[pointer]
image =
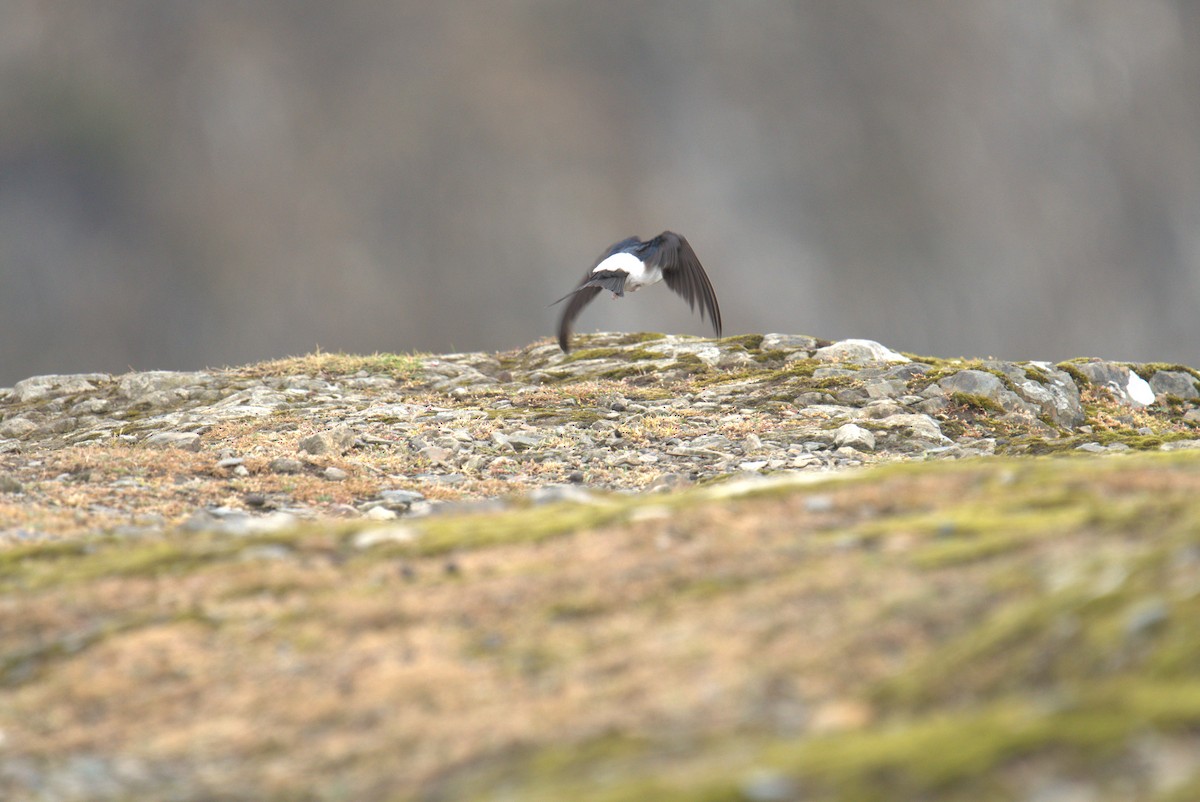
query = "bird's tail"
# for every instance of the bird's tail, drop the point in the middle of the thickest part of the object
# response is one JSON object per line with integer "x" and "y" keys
{"x": 611, "y": 280}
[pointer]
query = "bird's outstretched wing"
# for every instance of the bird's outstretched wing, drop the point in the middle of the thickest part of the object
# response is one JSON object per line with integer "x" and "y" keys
{"x": 682, "y": 272}
{"x": 582, "y": 295}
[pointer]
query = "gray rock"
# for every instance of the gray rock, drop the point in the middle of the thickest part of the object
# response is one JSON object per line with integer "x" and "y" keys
{"x": 921, "y": 428}
{"x": 380, "y": 514}
{"x": 37, "y": 388}
{"x": 931, "y": 406}
{"x": 285, "y": 465}
{"x": 17, "y": 427}
{"x": 825, "y": 373}
{"x": 974, "y": 382}
{"x": 1174, "y": 382}
{"x": 882, "y": 408}
{"x": 522, "y": 442}
{"x": 335, "y": 474}
{"x": 987, "y": 385}
{"x": 186, "y": 441}
{"x": 886, "y": 388}
{"x": 788, "y": 342}
{"x": 854, "y": 436}
{"x": 158, "y": 387}
{"x": 436, "y": 454}
{"x": 1057, "y": 398}
{"x": 315, "y": 444}
{"x": 859, "y": 352}
{"x": 400, "y": 499}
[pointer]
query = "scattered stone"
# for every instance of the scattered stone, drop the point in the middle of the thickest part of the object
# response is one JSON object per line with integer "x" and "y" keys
{"x": 859, "y": 352}
{"x": 335, "y": 474}
{"x": 337, "y": 440}
{"x": 400, "y": 499}
{"x": 437, "y": 454}
{"x": 285, "y": 465}
{"x": 380, "y": 514}
{"x": 315, "y": 444}
{"x": 854, "y": 436}
{"x": 788, "y": 342}
{"x": 159, "y": 388}
{"x": 1175, "y": 382}
{"x": 186, "y": 441}
{"x": 38, "y": 388}
{"x": 17, "y": 427}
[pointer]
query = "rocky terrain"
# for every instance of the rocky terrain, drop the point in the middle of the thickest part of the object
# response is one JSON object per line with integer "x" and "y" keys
{"x": 658, "y": 567}
{"x": 331, "y": 435}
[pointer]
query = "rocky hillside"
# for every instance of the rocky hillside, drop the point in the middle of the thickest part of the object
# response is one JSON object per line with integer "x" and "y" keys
{"x": 449, "y": 560}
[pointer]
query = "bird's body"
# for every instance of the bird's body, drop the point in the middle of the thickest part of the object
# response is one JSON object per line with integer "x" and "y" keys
{"x": 631, "y": 264}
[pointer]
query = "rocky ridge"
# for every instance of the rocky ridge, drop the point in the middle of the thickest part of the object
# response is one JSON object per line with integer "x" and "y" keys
{"x": 387, "y": 436}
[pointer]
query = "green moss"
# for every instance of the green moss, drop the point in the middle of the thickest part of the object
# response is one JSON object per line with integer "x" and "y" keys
{"x": 750, "y": 342}
{"x": 1150, "y": 368}
{"x": 771, "y": 357}
{"x": 1070, "y": 367}
{"x": 690, "y": 363}
{"x": 977, "y": 402}
{"x": 591, "y": 353}
{"x": 1034, "y": 373}
{"x": 625, "y": 372}
{"x": 641, "y": 337}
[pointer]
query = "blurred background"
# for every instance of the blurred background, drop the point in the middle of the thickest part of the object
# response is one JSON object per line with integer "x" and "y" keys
{"x": 187, "y": 184}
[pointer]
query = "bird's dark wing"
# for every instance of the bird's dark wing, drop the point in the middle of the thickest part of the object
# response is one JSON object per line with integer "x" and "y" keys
{"x": 582, "y": 295}
{"x": 683, "y": 274}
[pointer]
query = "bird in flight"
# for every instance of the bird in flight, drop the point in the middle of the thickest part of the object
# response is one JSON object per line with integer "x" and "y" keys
{"x": 632, "y": 264}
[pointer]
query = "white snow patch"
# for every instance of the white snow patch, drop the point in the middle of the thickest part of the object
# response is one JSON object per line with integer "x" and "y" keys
{"x": 1139, "y": 390}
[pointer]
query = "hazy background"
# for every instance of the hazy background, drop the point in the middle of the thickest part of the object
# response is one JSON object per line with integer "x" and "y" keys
{"x": 203, "y": 183}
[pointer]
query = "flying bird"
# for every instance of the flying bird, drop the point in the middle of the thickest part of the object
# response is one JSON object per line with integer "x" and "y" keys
{"x": 632, "y": 264}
